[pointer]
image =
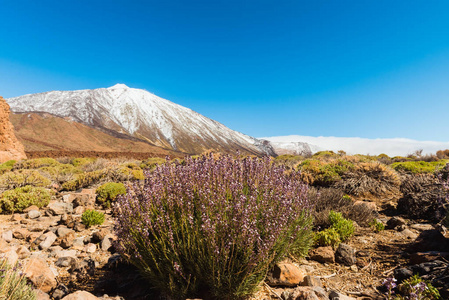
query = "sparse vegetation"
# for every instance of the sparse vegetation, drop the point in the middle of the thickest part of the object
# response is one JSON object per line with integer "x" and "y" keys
{"x": 92, "y": 217}
{"x": 20, "y": 198}
{"x": 339, "y": 231}
{"x": 419, "y": 167}
{"x": 108, "y": 192}
{"x": 13, "y": 284}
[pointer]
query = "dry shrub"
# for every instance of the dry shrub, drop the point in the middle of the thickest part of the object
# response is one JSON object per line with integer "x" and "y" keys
{"x": 371, "y": 180}
{"x": 331, "y": 199}
{"x": 422, "y": 197}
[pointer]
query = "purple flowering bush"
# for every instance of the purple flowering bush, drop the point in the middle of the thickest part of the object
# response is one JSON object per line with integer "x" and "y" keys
{"x": 213, "y": 226}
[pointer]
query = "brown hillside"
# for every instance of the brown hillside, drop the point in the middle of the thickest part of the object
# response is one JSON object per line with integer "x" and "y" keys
{"x": 43, "y": 132}
{"x": 10, "y": 147}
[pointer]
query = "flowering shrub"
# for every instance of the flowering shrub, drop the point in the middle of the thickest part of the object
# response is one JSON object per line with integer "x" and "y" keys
{"x": 13, "y": 284}
{"x": 213, "y": 225}
{"x": 414, "y": 288}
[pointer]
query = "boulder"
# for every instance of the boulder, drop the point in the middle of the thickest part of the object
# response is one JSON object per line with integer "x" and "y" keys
{"x": 323, "y": 254}
{"x": 40, "y": 274}
{"x": 10, "y": 147}
{"x": 285, "y": 274}
{"x": 345, "y": 255}
{"x": 60, "y": 208}
{"x": 80, "y": 295}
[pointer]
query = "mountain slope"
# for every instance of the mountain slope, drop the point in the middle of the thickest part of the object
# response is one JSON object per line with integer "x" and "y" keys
{"x": 142, "y": 115}
{"x": 45, "y": 132}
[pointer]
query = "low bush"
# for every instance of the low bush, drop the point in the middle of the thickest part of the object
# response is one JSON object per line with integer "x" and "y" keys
{"x": 370, "y": 180}
{"x": 321, "y": 173}
{"x": 339, "y": 231}
{"x": 108, "y": 192}
{"x": 414, "y": 287}
{"x": 20, "y": 198}
{"x": 422, "y": 197}
{"x": 377, "y": 225}
{"x": 18, "y": 178}
{"x": 328, "y": 199}
{"x": 36, "y": 163}
{"x": 152, "y": 162}
{"x": 7, "y": 166}
{"x": 84, "y": 180}
{"x": 419, "y": 167}
{"x": 92, "y": 217}
{"x": 60, "y": 173}
{"x": 215, "y": 225}
{"x": 13, "y": 284}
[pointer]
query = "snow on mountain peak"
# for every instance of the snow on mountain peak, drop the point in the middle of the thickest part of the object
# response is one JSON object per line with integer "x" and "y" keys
{"x": 119, "y": 86}
{"x": 142, "y": 115}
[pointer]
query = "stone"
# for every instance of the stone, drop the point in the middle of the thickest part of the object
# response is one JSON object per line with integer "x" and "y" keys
{"x": 66, "y": 261}
{"x": 422, "y": 227}
{"x": 407, "y": 233}
{"x": 34, "y": 214}
{"x": 308, "y": 293}
{"x": 30, "y": 208}
{"x": 7, "y": 235}
{"x": 78, "y": 210}
{"x": 16, "y": 218}
{"x": 79, "y": 227}
{"x": 323, "y": 254}
{"x": 60, "y": 208}
{"x": 10, "y": 147}
{"x": 312, "y": 281}
{"x": 334, "y": 295}
{"x": 396, "y": 223}
{"x": 67, "y": 240}
{"x": 23, "y": 252}
{"x": 78, "y": 243}
{"x": 40, "y": 295}
{"x": 106, "y": 243}
{"x": 40, "y": 274}
{"x": 85, "y": 198}
{"x": 285, "y": 274}
{"x": 11, "y": 256}
{"x": 47, "y": 240}
{"x": 369, "y": 205}
{"x": 402, "y": 274}
{"x": 20, "y": 233}
{"x": 80, "y": 295}
{"x": 99, "y": 235}
{"x": 90, "y": 248}
{"x": 345, "y": 255}
{"x": 63, "y": 231}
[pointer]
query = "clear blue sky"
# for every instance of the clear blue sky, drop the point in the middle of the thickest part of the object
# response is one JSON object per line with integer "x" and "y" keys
{"x": 375, "y": 69}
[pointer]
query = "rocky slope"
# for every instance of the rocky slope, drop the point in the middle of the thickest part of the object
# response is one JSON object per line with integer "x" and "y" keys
{"x": 10, "y": 147}
{"x": 142, "y": 115}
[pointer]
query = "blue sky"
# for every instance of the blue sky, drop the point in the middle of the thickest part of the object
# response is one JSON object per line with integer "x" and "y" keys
{"x": 372, "y": 69}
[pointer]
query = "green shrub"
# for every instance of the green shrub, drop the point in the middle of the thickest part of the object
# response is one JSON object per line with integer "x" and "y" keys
{"x": 92, "y": 217}
{"x": 13, "y": 285}
{"x": 78, "y": 162}
{"x": 84, "y": 180}
{"x": 18, "y": 178}
{"x": 339, "y": 231}
{"x": 419, "y": 167}
{"x": 36, "y": 163}
{"x": 328, "y": 237}
{"x": 324, "y": 173}
{"x": 60, "y": 173}
{"x": 20, "y": 198}
{"x": 344, "y": 227}
{"x": 107, "y": 192}
{"x": 7, "y": 166}
{"x": 377, "y": 225}
{"x": 152, "y": 162}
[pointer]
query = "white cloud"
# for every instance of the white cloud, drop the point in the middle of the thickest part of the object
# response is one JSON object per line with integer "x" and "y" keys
{"x": 355, "y": 145}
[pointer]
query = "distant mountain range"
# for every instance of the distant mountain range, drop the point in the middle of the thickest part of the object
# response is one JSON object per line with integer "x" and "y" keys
{"x": 293, "y": 144}
{"x": 123, "y": 113}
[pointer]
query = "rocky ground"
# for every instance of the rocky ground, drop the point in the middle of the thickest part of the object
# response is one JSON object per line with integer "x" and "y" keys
{"x": 65, "y": 260}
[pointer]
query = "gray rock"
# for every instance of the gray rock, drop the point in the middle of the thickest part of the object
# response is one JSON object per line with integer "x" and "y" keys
{"x": 66, "y": 261}
{"x": 396, "y": 223}
{"x": 7, "y": 236}
{"x": 23, "y": 252}
{"x": 60, "y": 208}
{"x": 34, "y": 214}
{"x": 409, "y": 234}
{"x": 334, "y": 295}
{"x": 345, "y": 254}
{"x": 63, "y": 231}
{"x": 47, "y": 240}
{"x": 312, "y": 281}
{"x": 106, "y": 243}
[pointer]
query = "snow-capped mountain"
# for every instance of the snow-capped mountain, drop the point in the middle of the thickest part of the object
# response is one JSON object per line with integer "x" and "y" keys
{"x": 355, "y": 145}
{"x": 142, "y": 115}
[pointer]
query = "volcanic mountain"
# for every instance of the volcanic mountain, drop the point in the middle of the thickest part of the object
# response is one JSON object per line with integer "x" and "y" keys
{"x": 138, "y": 115}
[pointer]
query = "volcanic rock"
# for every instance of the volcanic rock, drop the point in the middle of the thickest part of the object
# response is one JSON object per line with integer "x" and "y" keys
{"x": 10, "y": 147}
